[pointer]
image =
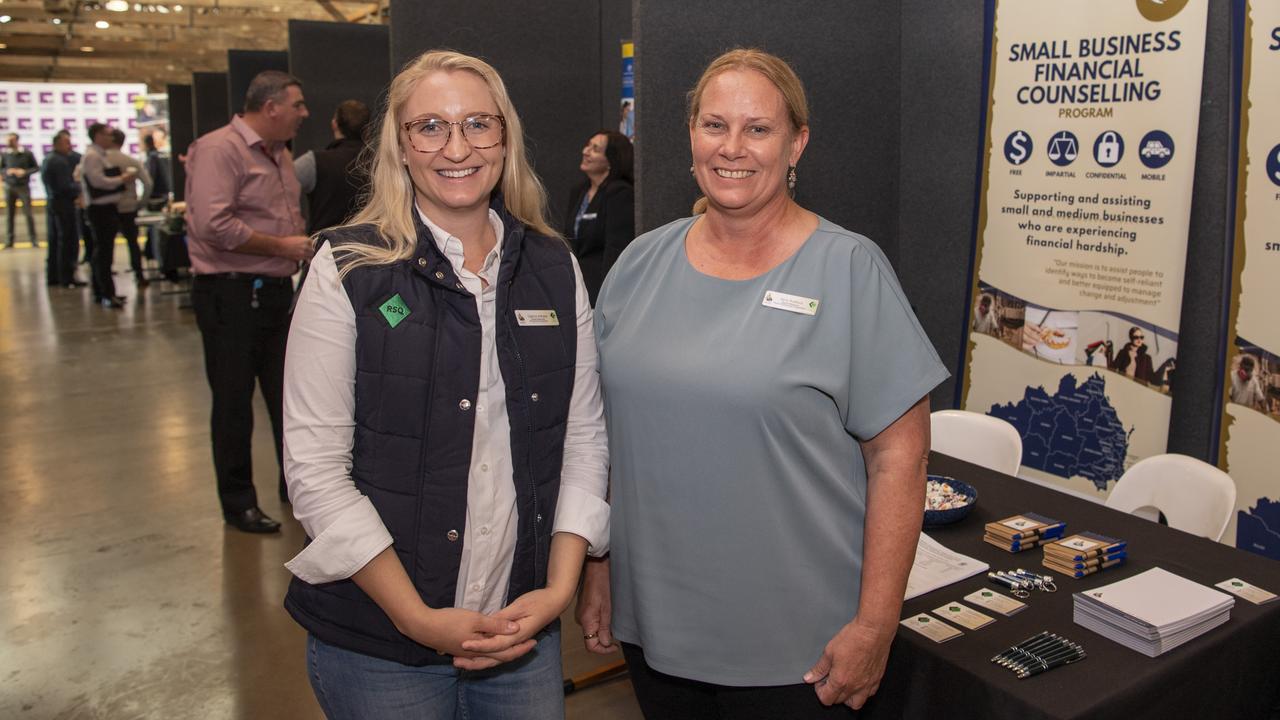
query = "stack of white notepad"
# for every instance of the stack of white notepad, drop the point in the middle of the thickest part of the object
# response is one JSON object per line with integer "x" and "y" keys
{"x": 1152, "y": 612}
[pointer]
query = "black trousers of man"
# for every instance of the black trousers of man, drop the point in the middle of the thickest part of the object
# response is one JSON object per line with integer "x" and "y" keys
{"x": 105, "y": 221}
{"x": 242, "y": 344}
{"x": 12, "y": 194}
{"x": 64, "y": 242}
{"x": 129, "y": 229}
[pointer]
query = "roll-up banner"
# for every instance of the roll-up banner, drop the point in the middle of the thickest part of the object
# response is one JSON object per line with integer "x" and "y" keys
{"x": 1251, "y": 391}
{"x": 1081, "y": 233}
{"x": 627, "y": 109}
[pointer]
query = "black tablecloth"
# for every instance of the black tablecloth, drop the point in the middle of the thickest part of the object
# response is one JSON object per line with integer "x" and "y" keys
{"x": 1232, "y": 671}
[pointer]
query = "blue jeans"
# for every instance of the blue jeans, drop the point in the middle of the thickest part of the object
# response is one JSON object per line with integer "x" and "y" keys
{"x": 352, "y": 686}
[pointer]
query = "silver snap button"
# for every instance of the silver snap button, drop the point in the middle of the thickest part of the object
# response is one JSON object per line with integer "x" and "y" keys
{"x": 539, "y": 518}
{"x": 534, "y": 397}
{"x": 484, "y": 530}
{"x": 439, "y": 275}
{"x": 452, "y": 535}
{"x": 464, "y": 405}
{"x": 484, "y": 467}
{"x": 422, "y": 262}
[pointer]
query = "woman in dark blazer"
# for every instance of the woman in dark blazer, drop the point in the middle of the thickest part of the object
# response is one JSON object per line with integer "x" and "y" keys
{"x": 600, "y": 219}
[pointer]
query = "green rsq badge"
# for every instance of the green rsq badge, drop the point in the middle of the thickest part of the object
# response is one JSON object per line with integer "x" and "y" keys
{"x": 394, "y": 310}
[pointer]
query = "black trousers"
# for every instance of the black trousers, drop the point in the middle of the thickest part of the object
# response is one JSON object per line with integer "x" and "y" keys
{"x": 105, "y": 222}
{"x": 86, "y": 233}
{"x": 666, "y": 697}
{"x": 64, "y": 241}
{"x": 129, "y": 229}
{"x": 242, "y": 345}
{"x": 12, "y": 194}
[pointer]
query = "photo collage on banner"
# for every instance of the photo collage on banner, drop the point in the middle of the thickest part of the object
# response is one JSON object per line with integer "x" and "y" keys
{"x": 1251, "y": 390}
{"x": 38, "y": 110}
{"x": 1080, "y": 244}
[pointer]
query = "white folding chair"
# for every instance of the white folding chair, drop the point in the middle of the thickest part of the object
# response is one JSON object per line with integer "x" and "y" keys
{"x": 976, "y": 438}
{"x": 1193, "y": 495}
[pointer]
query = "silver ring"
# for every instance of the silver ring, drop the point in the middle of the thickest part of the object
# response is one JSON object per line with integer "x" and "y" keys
{"x": 589, "y": 636}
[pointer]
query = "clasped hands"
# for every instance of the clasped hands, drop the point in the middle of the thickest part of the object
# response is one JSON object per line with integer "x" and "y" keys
{"x": 478, "y": 641}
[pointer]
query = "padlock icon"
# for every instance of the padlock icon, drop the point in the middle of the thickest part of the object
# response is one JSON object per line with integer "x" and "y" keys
{"x": 1109, "y": 149}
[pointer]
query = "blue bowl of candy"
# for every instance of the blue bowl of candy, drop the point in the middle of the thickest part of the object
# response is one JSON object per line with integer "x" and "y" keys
{"x": 947, "y": 500}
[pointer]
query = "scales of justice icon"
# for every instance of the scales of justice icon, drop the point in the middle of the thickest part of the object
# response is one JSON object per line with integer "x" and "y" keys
{"x": 1062, "y": 146}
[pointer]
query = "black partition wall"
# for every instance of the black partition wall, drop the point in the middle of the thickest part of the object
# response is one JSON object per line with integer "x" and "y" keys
{"x": 336, "y": 62}
{"x": 209, "y": 101}
{"x": 243, "y": 65}
{"x": 549, "y": 58}
{"x": 846, "y": 54}
{"x": 181, "y": 133}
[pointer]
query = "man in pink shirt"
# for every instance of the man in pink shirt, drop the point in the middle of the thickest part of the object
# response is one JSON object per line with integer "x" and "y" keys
{"x": 244, "y": 235}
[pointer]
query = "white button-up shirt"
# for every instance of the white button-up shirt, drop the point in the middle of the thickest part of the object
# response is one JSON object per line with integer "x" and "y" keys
{"x": 319, "y": 406}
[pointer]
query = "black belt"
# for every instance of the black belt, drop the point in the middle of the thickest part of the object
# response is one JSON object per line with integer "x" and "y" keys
{"x": 248, "y": 278}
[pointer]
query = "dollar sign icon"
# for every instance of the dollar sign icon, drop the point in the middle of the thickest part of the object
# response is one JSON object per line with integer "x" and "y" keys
{"x": 1017, "y": 147}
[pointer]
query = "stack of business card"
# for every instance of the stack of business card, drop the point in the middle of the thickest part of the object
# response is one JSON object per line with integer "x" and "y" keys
{"x": 1084, "y": 554}
{"x": 1023, "y": 532}
{"x": 1152, "y": 612}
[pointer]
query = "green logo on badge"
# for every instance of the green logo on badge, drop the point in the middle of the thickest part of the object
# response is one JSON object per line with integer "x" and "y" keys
{"x": 953, "y": 608}
{"x": 813, "y": 305}
{"x": 553, "y": 314}
{"x": 394, "y": 310}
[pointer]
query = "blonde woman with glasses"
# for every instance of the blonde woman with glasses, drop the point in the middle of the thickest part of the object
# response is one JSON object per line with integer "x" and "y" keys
{"x": 444, "y": 440}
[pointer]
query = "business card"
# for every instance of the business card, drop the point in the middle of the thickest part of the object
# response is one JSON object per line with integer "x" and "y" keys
{"x": 963, "y": 616}
{"x": 931, "y": 627}
{"x": 1252, "y": 593}
{"x": 992, "y": 600}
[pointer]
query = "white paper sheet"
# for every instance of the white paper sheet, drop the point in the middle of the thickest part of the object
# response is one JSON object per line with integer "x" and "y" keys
{"x": 936, "y": 566}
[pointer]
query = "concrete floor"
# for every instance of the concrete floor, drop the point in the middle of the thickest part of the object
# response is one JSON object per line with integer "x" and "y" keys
{"x": 122, "y": 594}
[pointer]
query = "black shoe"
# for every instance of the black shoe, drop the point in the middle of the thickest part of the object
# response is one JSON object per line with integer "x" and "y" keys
{"x": 75, "y": 284}
{"x": 113, "y": 303}
{"x": 252, "y": 521}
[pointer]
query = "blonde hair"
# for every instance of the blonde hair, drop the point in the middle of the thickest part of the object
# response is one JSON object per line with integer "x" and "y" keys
{"x": 775, "y": 69}
{"x": 389, "y": 206}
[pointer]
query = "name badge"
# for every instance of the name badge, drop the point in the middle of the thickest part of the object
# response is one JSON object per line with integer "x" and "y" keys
{"x": 790, "y": 303}
{"x": 537, "y": 318}
{"x": 589, "y": 216}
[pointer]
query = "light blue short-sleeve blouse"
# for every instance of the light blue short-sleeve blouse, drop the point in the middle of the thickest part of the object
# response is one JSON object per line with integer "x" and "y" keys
{"x": 738, "y": 485}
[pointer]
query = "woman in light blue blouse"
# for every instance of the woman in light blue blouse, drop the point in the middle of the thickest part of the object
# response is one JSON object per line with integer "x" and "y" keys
{"x": 766, "y": 391}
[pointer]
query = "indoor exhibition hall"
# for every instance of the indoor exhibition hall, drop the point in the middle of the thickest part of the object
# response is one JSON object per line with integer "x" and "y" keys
{"x": 639, "y": 360}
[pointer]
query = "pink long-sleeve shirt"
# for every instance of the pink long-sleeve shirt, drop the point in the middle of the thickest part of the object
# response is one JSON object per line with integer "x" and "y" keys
{"x": 237, "y": 184}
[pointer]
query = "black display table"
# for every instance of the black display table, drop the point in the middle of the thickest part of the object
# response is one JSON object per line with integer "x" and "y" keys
{"x": 1231, "y": 672}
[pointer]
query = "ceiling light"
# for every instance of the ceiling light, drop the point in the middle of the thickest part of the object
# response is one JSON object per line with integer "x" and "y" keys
{"x": 177, "y": 8}
{"x": 56, "y": 21}
{"x": 102, "y": 24}
{"x": 117, "y": 5}
{"x": 3, "y": 46}
{"x": 86, "y": 48}
{"x": 137, "y": 7}
{"x": 162, "y": 9}
{"x": 5, "y": 18}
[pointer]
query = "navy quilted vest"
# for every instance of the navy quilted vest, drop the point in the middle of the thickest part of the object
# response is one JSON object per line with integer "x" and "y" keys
{"x": 416, "y": 384}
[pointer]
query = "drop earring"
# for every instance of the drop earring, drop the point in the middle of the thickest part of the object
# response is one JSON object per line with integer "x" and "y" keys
{"x": 791, "y": 178}
{"x": 691, "y": 170}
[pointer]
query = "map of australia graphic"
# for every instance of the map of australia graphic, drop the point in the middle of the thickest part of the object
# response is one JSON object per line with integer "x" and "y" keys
{"x": 1073, "y": 432}
{"x": 1259, "y": 529}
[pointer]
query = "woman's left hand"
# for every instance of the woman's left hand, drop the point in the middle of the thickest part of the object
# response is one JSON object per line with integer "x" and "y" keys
{"x": 532, "y": 611}
{"x": 851, "y": 665}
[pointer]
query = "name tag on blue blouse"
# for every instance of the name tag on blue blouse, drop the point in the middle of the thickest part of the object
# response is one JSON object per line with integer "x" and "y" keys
{"x": 790, "y": 303}
{"x": 537, "y": 318}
